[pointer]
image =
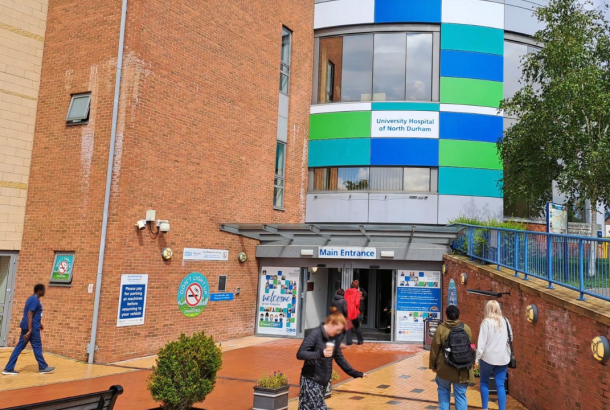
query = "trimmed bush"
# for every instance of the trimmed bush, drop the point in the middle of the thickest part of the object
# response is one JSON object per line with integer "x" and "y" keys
{"x": 276, "y": 381}
{"x": 185, "y": 372}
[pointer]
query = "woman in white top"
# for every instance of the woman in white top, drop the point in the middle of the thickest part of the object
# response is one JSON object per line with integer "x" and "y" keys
{"x": 493, "y": 353}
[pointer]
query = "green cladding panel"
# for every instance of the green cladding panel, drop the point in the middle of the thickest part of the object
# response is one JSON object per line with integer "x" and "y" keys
{"x": 471, "y": 92}
{"x": 469, "y": 182}
{"x": 341, "y": 152}
{"x": 472, "y": 38}
{"x": 469, "y": 154}
{"x": 355, "y": 124}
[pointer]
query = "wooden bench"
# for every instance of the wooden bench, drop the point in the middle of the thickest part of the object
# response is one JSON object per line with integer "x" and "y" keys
{"x": 103, "y": 400}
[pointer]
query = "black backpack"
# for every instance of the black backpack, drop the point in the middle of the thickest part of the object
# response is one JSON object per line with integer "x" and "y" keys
{"x": 458, "y": 352}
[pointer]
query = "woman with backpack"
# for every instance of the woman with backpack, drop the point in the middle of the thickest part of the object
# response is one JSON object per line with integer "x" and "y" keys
{"x": 318, "y": 350}
{"x": 494, "y": 352}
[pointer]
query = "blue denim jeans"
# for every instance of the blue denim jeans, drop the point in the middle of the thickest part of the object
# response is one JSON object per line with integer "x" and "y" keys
{"x": 499, "y": 373}
{"x": 36, "y": 342}
{"x": 444, "y": 394}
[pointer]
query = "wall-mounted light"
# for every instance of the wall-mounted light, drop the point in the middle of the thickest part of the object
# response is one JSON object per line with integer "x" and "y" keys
{"x": 444, "y": 269}
{"x": 600, "y": 349}
{"x": 242, "y": 257}
{"x": 166, "y": 253}
{"x": 306, "y": 252}
{"x": 314, "y": 269}
{"x": 464, "y": 278}
{"x": 531, "y": 313}
{"x": 387, "y": 254}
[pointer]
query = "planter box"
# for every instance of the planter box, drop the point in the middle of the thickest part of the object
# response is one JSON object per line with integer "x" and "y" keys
{"x": 270, "y": 399}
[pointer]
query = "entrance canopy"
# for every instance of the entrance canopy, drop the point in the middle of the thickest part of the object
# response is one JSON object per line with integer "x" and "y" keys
{"x": 397, "y": 242}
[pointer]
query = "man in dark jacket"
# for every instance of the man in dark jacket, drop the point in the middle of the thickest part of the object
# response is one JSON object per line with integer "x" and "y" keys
{"x": 446, "y": 374}
{"x": 340, "y": 304}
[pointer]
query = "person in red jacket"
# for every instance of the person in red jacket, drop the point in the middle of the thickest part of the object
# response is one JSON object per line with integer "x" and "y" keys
{"x": 353, "y": 297}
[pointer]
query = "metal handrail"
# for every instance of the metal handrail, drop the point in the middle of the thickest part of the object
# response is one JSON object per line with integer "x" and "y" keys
{"x": 575, "y": 262}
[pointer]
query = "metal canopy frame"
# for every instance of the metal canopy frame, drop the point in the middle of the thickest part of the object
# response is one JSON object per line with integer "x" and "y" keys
{"x": 280, "y": 232}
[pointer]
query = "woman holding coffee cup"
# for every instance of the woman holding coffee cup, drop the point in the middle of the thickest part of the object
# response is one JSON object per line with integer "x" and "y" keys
{"x": 318, "y": 350}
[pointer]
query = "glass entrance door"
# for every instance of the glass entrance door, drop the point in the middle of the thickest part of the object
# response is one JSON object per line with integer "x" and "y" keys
{"x": 8, "y": 264}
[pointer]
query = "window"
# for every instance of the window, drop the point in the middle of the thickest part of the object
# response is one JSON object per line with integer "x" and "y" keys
{"x": 222, "y": 283}
{"x": 280, "y": 164}
{"x": 330, "y": 81}
{"x": 386, "y": 179}
{"x": 513, "y": 56}
{"x": 78, "y": 112}
{"x": 379, "y": 179}
{"x": 376, "y": 67}
{"x": 421, "y": 180}
{"x": 285, "y": 64}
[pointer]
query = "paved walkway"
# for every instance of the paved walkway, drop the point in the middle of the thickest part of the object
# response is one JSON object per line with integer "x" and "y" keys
{"x": 243, "y": 362}
{"x": 406, "y": 385}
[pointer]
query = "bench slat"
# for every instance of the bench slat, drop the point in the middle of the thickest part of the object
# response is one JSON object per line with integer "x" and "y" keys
{"x": 94, "y": 401}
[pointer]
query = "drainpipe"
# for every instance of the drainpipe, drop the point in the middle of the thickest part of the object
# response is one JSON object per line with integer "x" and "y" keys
{"x": 91, "y": 347}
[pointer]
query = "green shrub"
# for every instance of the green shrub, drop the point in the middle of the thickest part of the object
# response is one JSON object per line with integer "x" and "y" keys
{"x": 185, "y": 372}
{"x": 272, "y": 382}
{"x": 481, "y": 236}
{"x": 335, "y": 376}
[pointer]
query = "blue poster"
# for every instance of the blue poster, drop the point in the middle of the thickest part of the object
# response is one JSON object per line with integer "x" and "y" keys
{"x": 220, "y": 297}
{"x": 452, "y": 298}
{"x": 418, "y": 299}
{"x": 132, "y": 300}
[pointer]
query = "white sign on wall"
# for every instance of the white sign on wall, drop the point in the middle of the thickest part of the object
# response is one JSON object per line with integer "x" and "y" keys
{"x": 194, "y": 254}
{"x": 405, "y": 124}
{"x": 132, "y": 300}
{"x": 347, "y": 252}
{"x": 278, "y": 306}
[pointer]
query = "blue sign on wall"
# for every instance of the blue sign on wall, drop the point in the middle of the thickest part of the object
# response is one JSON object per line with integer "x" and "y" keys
{"x": 452, "y": 298}
{"x": 418, "y": 299}
{"x": 221, "y": 297}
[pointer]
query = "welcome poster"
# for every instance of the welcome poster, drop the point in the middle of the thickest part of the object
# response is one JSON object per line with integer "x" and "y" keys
{"x": 278, "y": 301}
{"x": 418, "y": 297}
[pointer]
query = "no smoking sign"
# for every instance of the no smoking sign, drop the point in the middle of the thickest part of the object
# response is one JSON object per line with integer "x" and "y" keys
{"x": 193, "y": 294}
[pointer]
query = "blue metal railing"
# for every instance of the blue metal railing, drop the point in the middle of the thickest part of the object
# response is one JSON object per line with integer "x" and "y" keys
{"x": 579, "y": 263}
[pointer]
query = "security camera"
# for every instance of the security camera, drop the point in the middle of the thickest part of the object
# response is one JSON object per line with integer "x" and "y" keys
{"x": 163, "y": 226}
{"x": 141, "y": 224}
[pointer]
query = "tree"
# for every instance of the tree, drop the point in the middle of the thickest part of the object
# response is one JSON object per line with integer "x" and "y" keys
{"x": 563, "y": 112}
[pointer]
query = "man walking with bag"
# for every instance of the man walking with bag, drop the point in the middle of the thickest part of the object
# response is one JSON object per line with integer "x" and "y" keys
{"x": 452, "y": 357}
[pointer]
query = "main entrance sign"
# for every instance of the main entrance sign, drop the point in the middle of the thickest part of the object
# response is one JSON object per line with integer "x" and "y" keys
{"x": 347, "y": 252}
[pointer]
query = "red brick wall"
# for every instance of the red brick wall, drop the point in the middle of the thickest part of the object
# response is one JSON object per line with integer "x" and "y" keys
{"x": 555, "y": 368}
{"x": 196, "y": 141}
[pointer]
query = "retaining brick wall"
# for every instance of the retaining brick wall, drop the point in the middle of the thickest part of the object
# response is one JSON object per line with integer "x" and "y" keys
{"x": 556, "y": 370}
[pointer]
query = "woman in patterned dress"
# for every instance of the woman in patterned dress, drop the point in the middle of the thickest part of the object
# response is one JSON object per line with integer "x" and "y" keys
{"x": 318, "y": 357}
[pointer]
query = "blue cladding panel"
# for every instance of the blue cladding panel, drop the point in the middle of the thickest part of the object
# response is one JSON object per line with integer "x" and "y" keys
{"x": 470, "y": 127}
{"x": 469, "y": 182}
{"x": 478, "y": 66}
{"x": 340, "y": 152}
{"x": 404, "y": 151}
{"x": 408, "y": 11}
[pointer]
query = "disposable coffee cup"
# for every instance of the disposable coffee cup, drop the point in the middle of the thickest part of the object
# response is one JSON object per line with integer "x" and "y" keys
{"x": 330, "y": 345}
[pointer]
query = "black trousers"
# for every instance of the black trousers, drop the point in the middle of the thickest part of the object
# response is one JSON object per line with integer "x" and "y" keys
{"x": 348, "y": 334}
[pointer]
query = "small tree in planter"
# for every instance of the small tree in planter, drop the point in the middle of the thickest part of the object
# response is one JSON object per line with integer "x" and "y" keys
{"x": 185, "y": 372}
{"x": 333, "y": 378}
{"x": 271, "y": 392}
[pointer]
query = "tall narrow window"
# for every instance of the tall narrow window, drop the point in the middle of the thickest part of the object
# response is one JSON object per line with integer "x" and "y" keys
{"x": 280, "y": 165}
{"x": 330, "y": 82}
{"x": 285, "y": 64}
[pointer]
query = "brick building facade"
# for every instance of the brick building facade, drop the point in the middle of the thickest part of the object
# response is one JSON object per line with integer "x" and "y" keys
{"x": 196, "y": 141}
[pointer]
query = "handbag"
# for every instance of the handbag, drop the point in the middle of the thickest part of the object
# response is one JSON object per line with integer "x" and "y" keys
{"x": 513, "y": 362}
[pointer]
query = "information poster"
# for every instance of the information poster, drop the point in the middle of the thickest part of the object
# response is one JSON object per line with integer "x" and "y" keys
{"x": 418, "y": 297}
{"x": 62, "y": 268}
{"x": 193, "y": 294}
{"x": 132, "y": 300}
{"x": 557, "y": 218}
{"x": 278, "y": 307}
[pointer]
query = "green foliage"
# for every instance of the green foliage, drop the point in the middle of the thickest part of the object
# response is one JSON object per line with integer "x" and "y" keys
{"x": 492, "y": 223}
{"x": 335, "y": 376}
{"x": 563, "y": 111}
{"x": 185, "y": 372}
{"x": 275, "y": 381}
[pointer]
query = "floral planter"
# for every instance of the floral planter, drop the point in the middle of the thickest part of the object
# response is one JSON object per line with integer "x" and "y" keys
{"x": 270, "y": 399}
